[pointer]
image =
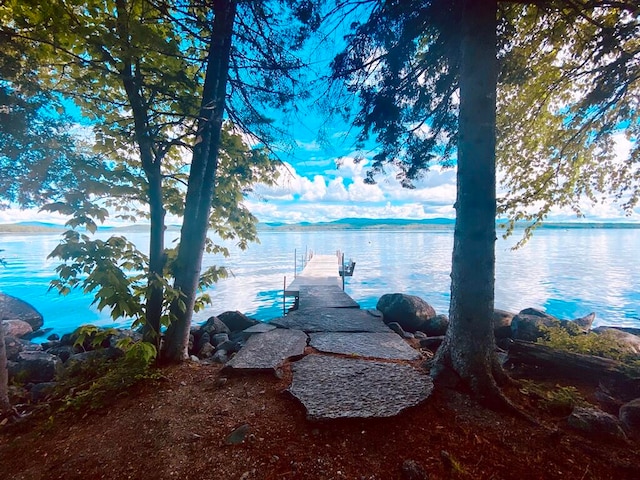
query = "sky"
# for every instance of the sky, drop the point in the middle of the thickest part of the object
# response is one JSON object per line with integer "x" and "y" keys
{"x": 322, "y": 182}
{"x": 318, "y": 187}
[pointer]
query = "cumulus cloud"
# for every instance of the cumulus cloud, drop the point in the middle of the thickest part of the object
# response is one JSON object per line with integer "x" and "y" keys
{"x": 314, "y": 190}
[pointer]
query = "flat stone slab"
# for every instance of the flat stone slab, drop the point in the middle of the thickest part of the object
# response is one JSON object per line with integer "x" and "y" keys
{"x": 259, "y": 328}
{"x": 333, "y": 387}
{"x": 387, "y": 346}
{"x": 324, "y": 297}
{"x": 266, "y": 351}
{"x": 333, "y": 320}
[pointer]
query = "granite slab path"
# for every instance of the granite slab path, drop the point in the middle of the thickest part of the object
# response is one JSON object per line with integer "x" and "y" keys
{"x": 380, "y": 345}
{"x": 358, "y": 367}
{"x": 267, "y": 351}
{"x": 334, "y": 387}
{"x": 333, "y": 320}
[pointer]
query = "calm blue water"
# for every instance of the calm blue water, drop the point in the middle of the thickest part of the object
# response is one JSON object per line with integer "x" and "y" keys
{"x": 569, "y": 273}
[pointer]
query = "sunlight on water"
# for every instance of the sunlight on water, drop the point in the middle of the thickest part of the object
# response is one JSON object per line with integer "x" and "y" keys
{"x": 569, "y": 273}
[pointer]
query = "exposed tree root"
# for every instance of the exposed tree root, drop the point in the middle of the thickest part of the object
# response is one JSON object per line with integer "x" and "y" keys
{"x": 9, "y": 416}
{"x": 482, "y": 385}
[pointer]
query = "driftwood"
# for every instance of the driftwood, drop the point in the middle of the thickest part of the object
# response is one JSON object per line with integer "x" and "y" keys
{"x": 619, "y": 379}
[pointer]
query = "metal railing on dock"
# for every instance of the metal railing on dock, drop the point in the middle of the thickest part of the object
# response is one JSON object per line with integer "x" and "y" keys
{"x": 317, "y": 271}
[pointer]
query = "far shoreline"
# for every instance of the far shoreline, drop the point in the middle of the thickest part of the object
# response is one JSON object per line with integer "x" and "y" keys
{"x": 439, "y": 224}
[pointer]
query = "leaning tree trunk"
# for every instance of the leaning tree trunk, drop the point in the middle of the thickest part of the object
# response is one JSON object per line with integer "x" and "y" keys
{"x": 469, "y": 345}
{"x": 202, "y": 178}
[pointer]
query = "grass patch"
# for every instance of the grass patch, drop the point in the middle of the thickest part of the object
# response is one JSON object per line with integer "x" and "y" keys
{"x": 557, "y": 401}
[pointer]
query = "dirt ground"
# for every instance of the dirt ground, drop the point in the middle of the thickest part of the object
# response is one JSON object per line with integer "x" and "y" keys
{"x": 178, "y": 427}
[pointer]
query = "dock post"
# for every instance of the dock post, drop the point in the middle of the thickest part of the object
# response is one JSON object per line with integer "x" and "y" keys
{"x": 343, "y": 272}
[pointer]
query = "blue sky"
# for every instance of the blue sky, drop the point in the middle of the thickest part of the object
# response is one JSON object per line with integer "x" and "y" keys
{"x": 322, "y": 182}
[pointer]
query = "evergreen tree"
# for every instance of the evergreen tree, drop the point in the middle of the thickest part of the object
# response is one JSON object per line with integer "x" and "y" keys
{"x": 427, "y": 72}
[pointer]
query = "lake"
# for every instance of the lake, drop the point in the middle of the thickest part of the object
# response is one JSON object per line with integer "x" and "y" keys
{"x": 567, "y": 272}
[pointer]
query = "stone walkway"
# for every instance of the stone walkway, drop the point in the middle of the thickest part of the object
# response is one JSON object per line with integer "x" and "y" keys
{"x": 358, "y": 367}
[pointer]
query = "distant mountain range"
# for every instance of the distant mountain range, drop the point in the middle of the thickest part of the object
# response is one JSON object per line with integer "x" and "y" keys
{"x": 429, "y": 223}
{"x": 342, "y": 224}
{"x": 361, "y": 223}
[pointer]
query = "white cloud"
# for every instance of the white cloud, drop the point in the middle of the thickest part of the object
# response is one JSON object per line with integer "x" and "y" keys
{"x": 365, "y": 193}
{"x": 312, "y": 146}
{"x": 336, "y": 191}
{"x": 340, "y": 192}
{"x": 17, "y": 215}
{"x": 313, "y": 191}
{"x": 348, "y": 167}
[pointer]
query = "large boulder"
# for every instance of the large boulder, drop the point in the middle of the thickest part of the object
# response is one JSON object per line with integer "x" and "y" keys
{"x": 200, "y": 342}
{"x": 16, "y": 309}
{"x": 582, "y": 324}
{"x": 435, "y": 326}
{"x": 596, "y": 423}
{"x": 62, "y": 351}
{"x": 16, "y": 328}
{"x": 529, "y": 324}
{"x": 626, "y": 341}
{"x": 214, "y": 325}
{"x": 502, "y": 323}
{"x": 630, "y": 417}
{"x": 409, "y": 311}
{"x": 99, "y": 355}
{"x": 236, "y": 321}
{"x": 13, "y": 347}
{"x": 204, "y": 333}
{"x": 34, "y": 367}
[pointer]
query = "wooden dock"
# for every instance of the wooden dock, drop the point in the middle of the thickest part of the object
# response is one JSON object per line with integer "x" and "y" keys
{"x": 320, "y": 285}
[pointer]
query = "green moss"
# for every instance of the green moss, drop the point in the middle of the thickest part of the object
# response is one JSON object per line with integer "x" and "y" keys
{"x": 604, "y": 344}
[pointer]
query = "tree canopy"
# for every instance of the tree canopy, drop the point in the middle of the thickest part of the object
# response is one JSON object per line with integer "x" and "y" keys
{"x": 568, "y": 85}
{"x": 138, "y": 71}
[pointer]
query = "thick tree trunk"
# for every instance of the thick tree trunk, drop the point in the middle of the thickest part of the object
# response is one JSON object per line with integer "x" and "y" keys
{"x": 469, "y": 345}
{"x": 202, "y": 178}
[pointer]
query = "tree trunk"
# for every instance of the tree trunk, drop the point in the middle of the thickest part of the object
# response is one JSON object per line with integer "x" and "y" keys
{"x": 155, "y": 291}
{"x": 469, "y": 345}
{"x": 151, "y": 165}
{"x": 202, "y": 178}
